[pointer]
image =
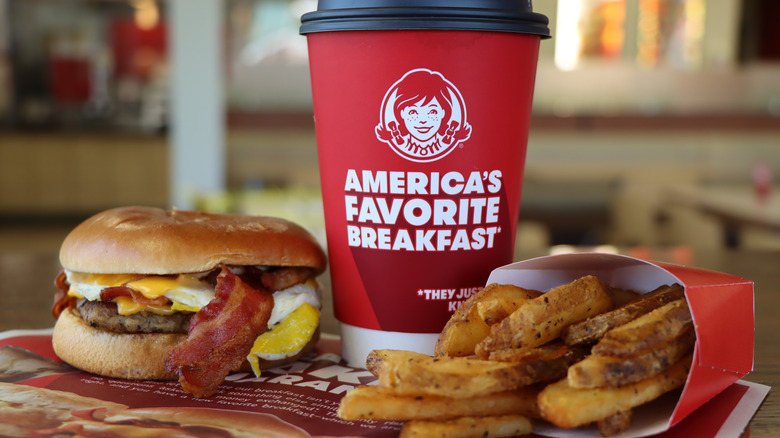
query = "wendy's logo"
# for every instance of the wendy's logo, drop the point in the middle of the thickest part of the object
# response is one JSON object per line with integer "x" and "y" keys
{"x": 423, "y": 116}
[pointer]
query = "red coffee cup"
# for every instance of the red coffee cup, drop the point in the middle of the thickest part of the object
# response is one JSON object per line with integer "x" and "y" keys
{"x": 421, "y": 116}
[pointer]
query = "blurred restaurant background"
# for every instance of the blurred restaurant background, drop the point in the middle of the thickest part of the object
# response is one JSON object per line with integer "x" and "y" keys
{"x": 648, "y": 115}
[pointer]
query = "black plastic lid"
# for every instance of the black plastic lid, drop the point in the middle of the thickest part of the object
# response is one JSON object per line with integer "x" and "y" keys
{"x": 489, "y": 15}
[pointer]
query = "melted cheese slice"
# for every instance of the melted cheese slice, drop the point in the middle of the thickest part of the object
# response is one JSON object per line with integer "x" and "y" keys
{"x": 187, "y": 292}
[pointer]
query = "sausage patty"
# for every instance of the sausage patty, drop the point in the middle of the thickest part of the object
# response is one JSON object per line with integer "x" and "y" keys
{"x": 105, "y": 316}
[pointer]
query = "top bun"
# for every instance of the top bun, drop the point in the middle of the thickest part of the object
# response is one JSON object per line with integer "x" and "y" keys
{"x": 145, "y": 240}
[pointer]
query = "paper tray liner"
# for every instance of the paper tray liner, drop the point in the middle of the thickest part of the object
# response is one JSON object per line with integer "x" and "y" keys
{"x": 310, "y": 389}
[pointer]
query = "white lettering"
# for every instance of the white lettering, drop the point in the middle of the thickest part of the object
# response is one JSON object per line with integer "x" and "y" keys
{"x": 417, "y": 183}
{"x": 491, "y": 213}
{"x": 350, "y": 201}
{"x": 383, "y": 238}
{"x": 397, "y": 183}
{"x": 474, "y": 184}
{"x": 452, "y": 183}
{"x": 369, "y": 212}
{"x": 417, "y": 212}
{"x": 353, "y": 182}
{"x": 444, "y": 211}
{"x": 424, "y": 239}
{"x": 287, "y": 379}
{"x": 461, "y": 241}
{"x": 375, "y": 184}
{"x": 345, "y": 375}
{"x": 403, "y": 241}
{"x": 389, "y": 215}
{"x": 421, "y": 239}
{"x": 495, "y": 181}
{"x": 353, "y": 235}
{"x": 395, "y": 206}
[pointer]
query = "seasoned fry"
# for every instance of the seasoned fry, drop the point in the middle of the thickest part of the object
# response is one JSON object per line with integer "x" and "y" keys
{"x": 621, "y": 297}
{"x": 615, "y": 423}
{"x": 648, "y": 331}
{"x": 375, "y": 358}
{"x": 568, "y": 407}
{"x": 469, "y": 427}
{"x": 599, "y": 371}
{"x": 542, "y": 319}
{"x": 542, "y": 364}
{"x": 378, "y": 403}
{"x": 581, "y": 354}
{"x": 471, "y": 321}
{"x": 457, "y": 377}
{"x": 550, "y": 351}
{"x": 591, "y": 330}
{"x": 495, "y": 308}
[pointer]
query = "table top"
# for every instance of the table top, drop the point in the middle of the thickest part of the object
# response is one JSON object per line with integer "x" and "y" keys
{"x": 735, "y": 205}
{"x": 27, "y": 289}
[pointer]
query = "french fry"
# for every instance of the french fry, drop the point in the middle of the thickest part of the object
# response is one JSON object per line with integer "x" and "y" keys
{"x": 542, "y": 364}
{"x": 606, "y": 350}
{"x": 457, "y": 377}
{"x": 543, "y": 318}
{"x": 615, "y": 423}
{"x": 648, "y": 331}
{"x": 621, "y": 297}
{"x": 600, "y": 371}
{"x": 568, "y": 407}
{"x": 469, "y": 427}
{"x": 502, "y": 302}
{"x": 591, "y": 330}
{"x": 378, "y": 403}
{"x": 471, "y": 321}
{"x": 375, "y": 358}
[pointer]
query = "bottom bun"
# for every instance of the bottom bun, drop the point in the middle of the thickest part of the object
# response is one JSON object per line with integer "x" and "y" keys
{"x": 120, "y": 355}
{"x": 128, "y": 356}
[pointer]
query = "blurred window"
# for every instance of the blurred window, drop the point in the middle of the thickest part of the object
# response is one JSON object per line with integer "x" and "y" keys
{"x": 267, "y": 30}
{"x": 589, "y": 29}
{"x": 670, "y": 32}
{"x": 646, "y": 32}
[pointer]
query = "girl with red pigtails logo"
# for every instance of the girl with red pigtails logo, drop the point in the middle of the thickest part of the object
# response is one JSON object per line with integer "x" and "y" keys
{"x": 423, "y": 116}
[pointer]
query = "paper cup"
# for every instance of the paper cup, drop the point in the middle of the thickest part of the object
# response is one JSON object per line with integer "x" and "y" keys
{"x": 421, "y": 116}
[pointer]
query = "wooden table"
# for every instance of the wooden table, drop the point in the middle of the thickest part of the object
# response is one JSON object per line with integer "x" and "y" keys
{"x": 734, "y": 206}
{"x": 26, "y": 290}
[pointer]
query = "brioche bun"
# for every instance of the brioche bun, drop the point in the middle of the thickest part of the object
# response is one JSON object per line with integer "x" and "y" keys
{"x": 148, "y": 240}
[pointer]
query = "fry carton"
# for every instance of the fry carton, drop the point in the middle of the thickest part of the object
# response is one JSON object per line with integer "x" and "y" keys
{"x": 722, "y": 307}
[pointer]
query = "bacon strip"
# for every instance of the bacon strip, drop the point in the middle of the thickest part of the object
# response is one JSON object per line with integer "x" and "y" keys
{"x": 61, "y": 299}
{"x": 220, "y": 336}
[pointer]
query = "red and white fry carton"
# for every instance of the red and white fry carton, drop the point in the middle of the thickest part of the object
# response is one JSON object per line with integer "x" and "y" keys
{"x": 722, "y": 307}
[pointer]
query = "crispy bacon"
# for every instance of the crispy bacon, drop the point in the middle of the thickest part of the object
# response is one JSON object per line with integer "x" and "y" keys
{"x": 221, "y": 335}
{"x": 61, "y": 299}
